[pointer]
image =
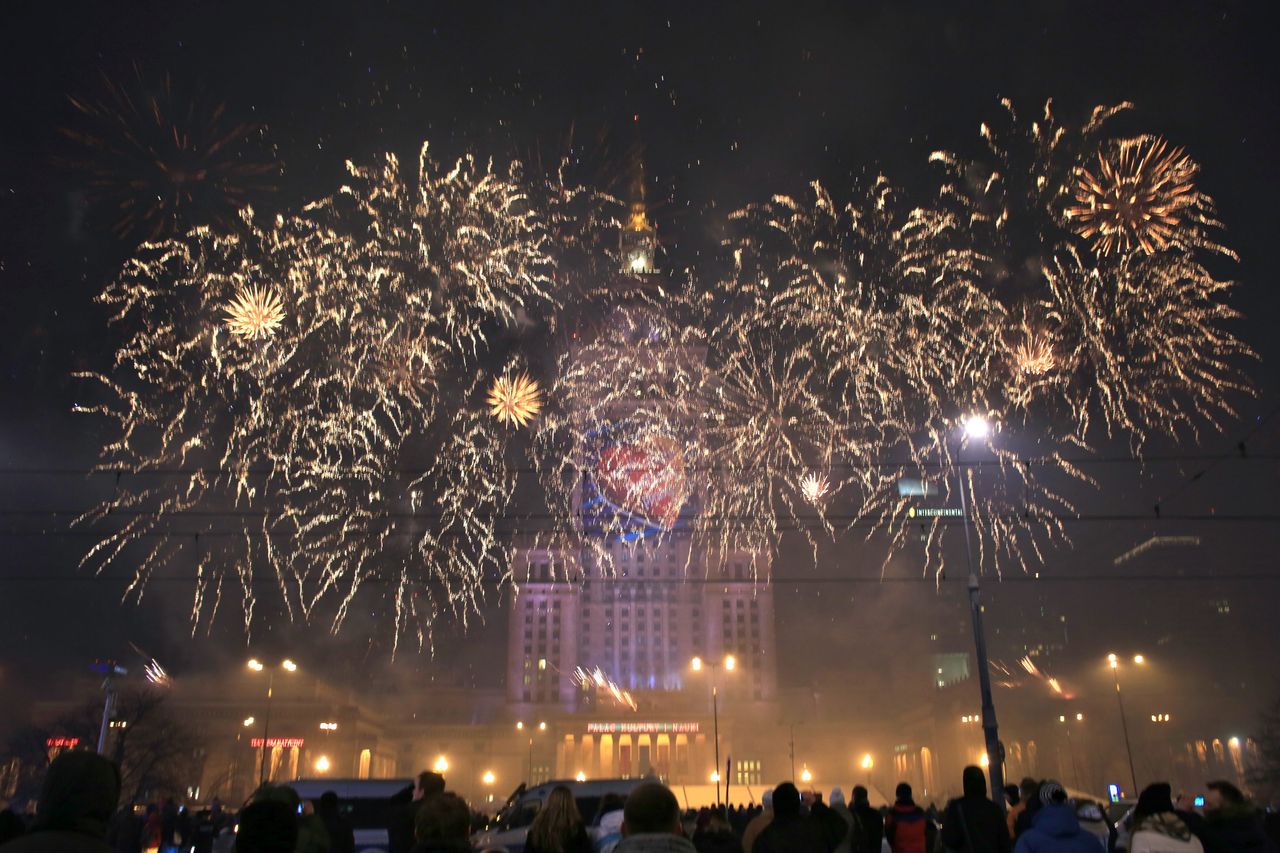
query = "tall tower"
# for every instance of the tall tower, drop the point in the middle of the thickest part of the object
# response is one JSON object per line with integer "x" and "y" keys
{"x": 638, "y": 242}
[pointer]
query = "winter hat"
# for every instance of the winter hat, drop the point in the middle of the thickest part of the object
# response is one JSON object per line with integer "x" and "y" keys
{"x": 766, "y": 799}
{"x": 786, "y": 800}
{"x": 903, "y": 792}
{"x": 836, "y": 798}
{"x": 1154, "y": 799}
{"x": 1052, "y": 793}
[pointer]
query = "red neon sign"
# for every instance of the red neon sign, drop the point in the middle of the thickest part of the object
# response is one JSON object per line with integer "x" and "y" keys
{"x": 62, "y": 742}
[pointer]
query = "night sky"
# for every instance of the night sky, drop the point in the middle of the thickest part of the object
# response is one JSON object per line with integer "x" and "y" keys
{"x": 731, "y": 103}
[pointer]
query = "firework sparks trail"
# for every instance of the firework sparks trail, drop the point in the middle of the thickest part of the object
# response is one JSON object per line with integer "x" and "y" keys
{"x": 385, "y": 293}
{"x": 597, "y": 680}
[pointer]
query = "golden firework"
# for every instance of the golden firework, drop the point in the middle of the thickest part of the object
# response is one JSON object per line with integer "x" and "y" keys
{"x": 1134, "y": 198}
{"x": 516, "y": 400}
{"x": 1033, "y": 354}
{"x": 255, "y": 312}
{"x": 814, "y": 487}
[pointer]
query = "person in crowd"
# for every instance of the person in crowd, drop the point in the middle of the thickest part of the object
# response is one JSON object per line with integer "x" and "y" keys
{"x": 1093, "y": 819}
{"x": 1055, "y": 828}
{"x": 268, "y": 825}
{"x": 867, "y": 832}
{"x": 840, "y": 808}
{"x": 442, "y": 824}
{"x": 342, "y": 838}
{"x": 404, "y": 809}
{"x": 169, "y": 832}
{"x": 312, "y": 836}
{"x": 1231, "y": 823}
{"x": 973, "y": 822}
{"x": 1030, "y": 789}
{"x": 558, "y": 827}
{"x": 1014, "y": 804}
{"x": 907, "y": 827}
{"x": 715, "y": 835}
{"x": 790, "y": 831}
{"x": 828, "y": 822}
{"x": 151, "y": 833}
{"x": 76, "y": 802}
{"x": 651, "y": 822}
{"x": 757, "y": 824}
{"x": 1157, "y": 828}
{"x": 11, "y": 823}
{"x": 608, "y": 822}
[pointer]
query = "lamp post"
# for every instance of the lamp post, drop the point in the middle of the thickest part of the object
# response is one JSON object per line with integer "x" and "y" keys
{"x": 729, "y": 664}
{"x": 257, "y": 666}
{"x": 1071, "y": 750}
{"x": 542, "y": 727}
{"x": 977, "y": 428}
{"x": 867, "y": 764}
{"x": 1114, "y": 662}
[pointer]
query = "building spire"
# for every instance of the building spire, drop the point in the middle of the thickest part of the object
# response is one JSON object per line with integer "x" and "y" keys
{"x": 639, "y": 239}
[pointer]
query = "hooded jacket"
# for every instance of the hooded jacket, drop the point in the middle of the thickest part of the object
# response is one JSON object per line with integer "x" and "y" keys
{"x": 1163, "y": 833}
{"x": 973, "y": 823}
{"x": 609, "y": 832}
{"x": 909, "y": 829}
{"x": 867, "y": 831}
{"x": 1055, "y": 829}
{"x": 76, "y": 803}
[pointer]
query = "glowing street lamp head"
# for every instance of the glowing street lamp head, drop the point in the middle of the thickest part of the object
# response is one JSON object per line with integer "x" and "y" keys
{"x": 249, "y": 721}
{"x": 730, "y": 662}
{"x": 581, "y": 777}
{"x": 1079, "y": 717}
{"x": 976, "y": 427}
{"x": 255, "y": 665}
{"x": 806, "y": 776}
{"x": 542, "y": 726}
{"x": 867, "y": 762}
{"x": 322, "y": 764}
{"x": 984, "y": 760}
{"x": 715, "y": 776}
{"x": 1234, "y": 743}
{"x": 289, "y": 665}
{"x": 1139, "y": 659}
{"x": 488, "y": 777}
{"x": 520, "y": 725}
{"x": 696, "y": 664}
{"x": 441, "y": 765}
{"x": 1113, "y": 660}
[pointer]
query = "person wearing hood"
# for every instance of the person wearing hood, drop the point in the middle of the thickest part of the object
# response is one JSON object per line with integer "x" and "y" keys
{"x": 1231, "y": 823}
{"x": 790, "y": 831}
{"x": 757, "y": 824}
{"x": 1157, "y": 828}
{"x": 608, "y": 829}
{"x": 1055, "y": 828}
{"x": 973, "y": 823}
{"x": 1094, "y": 821}
{"x": 907, "y": 827}
{"x": 867, "y": 832}
{"x": 839, "y": 806}
{"x": 76, "y": 803}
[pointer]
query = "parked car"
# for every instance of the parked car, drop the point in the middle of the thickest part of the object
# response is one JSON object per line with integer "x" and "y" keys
{"x": 508, "y": 829}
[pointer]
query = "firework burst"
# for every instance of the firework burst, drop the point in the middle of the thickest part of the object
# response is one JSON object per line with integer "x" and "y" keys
{"x": 164, "y": 162}
{"x": 1134, "y": 197}
{"x": 255, "y": 312}
{"x": 515, "y": 399}
{"x": 815, "y": 486}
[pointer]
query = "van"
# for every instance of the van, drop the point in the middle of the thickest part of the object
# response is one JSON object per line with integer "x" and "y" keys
{"x": 364, "y": 803}
{"x": 508, "y": 829}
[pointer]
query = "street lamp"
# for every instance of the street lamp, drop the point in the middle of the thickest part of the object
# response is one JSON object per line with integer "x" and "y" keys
{"x": 806, "y": 776}
{"x": 258, "y": 666}
{"x": 867, "y": 764}
{"x": 542, "y": 727}
{"x": 977, "y": 428}
{"x": 1114, "y": 662}
{"x": 581, "y": 777}
{"x": 441, "y": 765}
{"x": 1071, "y": 749}
{"x": 322, "y": 764}
{"x": 729, "y": 663}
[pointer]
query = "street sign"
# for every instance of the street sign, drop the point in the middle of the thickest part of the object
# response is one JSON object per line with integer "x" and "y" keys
{"x": 1114, "y": 791}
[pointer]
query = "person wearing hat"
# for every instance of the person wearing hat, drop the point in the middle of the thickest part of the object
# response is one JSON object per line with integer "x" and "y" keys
{"x": 973, "y": 822}
{"x": 1055, "y": 828}
{"x": 1157, "y": 828}
{"x": 76, "y": 802}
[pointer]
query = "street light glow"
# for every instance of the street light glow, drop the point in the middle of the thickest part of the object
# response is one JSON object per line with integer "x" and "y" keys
{"x": 520, "y": 725}
{"x": 542, "y": 726}
{"x": 1111, "y": 659}
{"x": 730, "y": 662}
{"x": 322, "y": 764}
{"x": 867, "y": 763}
{"x": 1234, "y": 743}
{"x": 715, "y": 776}
{"x": 984, "y": 760}
{"x": 488, "y": 777}
{"x": 249, "y": 721}
{"x": 255, "y": 665}
{"x": 441, "y": 765}
{"x": 289, "y": 665}
{"x": 696, "y": 664}
{"x": 329, "y": 727}
{"x": 976, "y": 427}
{"x": 805, "y": 775}
{"x": 1139, "y": 659}
{"x": 581, "y": 777}
{"x": 1079, "y": 717}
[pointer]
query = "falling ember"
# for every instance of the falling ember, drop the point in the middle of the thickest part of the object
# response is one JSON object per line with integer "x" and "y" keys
{"x": 1033, "y": 354}
{"x": 814, "y": 487}
{"x": 256, "y": 312}
{"x": 1135, "y": 198}
{"x": 515, "y": 400}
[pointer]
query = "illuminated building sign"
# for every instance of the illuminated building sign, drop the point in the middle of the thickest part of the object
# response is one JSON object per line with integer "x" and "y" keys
{"x": 273, "y": 742}
{"x": 62, "y": 742}
{"x": 642, "y": 728}
{"x": 935, "y": 512}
